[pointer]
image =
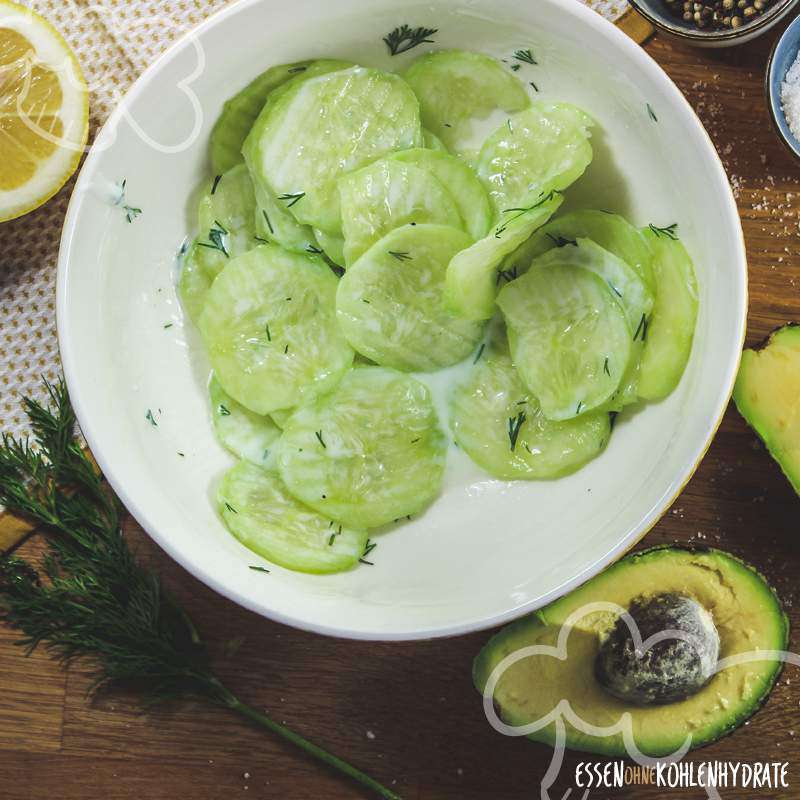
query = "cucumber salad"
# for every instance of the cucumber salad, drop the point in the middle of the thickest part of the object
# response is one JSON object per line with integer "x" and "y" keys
{"x": 354, "y": 239}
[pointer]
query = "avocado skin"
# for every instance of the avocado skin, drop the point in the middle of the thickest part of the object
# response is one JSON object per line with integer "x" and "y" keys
{"x": 750, "y": 381}
{"x": 485, "y": 660}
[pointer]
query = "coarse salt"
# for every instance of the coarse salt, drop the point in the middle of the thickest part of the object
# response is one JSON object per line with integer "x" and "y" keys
{"x": 790, "y": 97}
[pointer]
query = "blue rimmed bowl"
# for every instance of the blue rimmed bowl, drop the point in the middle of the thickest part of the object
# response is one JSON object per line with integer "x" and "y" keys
{"x": 781, "y": 58}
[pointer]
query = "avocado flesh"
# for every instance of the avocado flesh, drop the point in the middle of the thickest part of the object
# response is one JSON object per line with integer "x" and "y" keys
{"x": 767, "y": 394}
{"x": 745, "y": 610}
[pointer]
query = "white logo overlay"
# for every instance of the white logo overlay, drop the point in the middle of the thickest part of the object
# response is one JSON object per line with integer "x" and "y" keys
{"x": 563, "y": 713}
{"x": 103, "y": 82}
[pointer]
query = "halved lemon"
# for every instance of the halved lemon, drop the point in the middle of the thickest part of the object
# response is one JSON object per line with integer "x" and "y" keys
{"x": 44, "y": 111}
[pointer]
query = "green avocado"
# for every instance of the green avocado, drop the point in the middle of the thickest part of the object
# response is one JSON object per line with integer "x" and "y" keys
{"x": 747, "y": 617}
{"x": 766, "y": 394}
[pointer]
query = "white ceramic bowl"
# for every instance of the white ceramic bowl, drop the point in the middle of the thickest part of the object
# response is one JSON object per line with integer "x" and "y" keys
{"x": 486, "y": 551}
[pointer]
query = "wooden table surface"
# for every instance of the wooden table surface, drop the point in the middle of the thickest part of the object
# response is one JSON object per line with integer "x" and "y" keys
{"x": 407, "y": 712}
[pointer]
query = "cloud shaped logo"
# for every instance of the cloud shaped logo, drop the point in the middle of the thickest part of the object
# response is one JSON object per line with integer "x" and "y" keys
{"x": 563, "y": 713}
{"x": 103, "y": 79}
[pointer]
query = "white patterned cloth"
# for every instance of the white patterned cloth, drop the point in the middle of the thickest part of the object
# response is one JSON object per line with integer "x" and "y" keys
{"x": 114, "y": 41}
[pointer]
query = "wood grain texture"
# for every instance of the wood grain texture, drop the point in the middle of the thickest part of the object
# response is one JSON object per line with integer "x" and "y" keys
{"x": 407, "y": 712}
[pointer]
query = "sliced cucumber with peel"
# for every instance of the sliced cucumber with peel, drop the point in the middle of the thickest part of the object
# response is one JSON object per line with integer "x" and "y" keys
{"x": 670, "y": 333}
{"x": 611, "y": 231}
{"x": 324, "y": 127}
{"x": 386, "y": 195}
{"x": 227, "y": 229}
{"x": 269, "y": 324}
{"x": 240, "y": 112}
{"x": 259, "y": 511}
{"x": 247, "y": 435}
{"x": 633, "y": 294}
{"x": 368, "y": 453}
{"x": 542, "y": 149}
{"x": 390, "y": 302}
{"x": 565, "y": 329}
{"x": 455, "y": 87}
{"x": 460, "y": 182}
{"x": 473, "y": 274}
{"x": 498, "y": 423}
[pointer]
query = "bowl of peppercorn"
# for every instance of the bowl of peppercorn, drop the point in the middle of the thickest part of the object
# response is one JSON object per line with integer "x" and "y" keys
{"x": 714, "y": 23}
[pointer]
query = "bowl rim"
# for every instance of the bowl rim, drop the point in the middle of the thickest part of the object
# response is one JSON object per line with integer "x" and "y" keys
{"x": 750, "y": 30}
{"x": 774, "y": 105}
{"x": 70, "y": 360}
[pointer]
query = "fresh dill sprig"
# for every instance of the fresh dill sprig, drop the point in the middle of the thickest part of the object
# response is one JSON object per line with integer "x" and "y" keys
{"x": 641, "y": 328}
{"x": 526, "y": 56}
{"x": 368, "y": 548}
{"x": 89, "y": 599}
{"x": 403, "y": 38}
{"x": 561, "y": 241}
{"x": 670, "y": 231}
{"x": 514, "y": 426}
{"x": 291, "y": 197}
{"x": 400, "y": 256}
{"x": 216, "y": 239}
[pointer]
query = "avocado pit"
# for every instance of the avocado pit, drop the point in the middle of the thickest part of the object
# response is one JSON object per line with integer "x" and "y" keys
{"x": 671, "y": 668}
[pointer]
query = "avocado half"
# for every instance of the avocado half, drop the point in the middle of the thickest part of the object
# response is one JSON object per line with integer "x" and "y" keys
{"x": 766, "y": 394}
{"x": 745, "y": 610}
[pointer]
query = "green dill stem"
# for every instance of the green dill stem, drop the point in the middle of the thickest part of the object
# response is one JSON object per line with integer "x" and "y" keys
{"x": 232, "y": 702}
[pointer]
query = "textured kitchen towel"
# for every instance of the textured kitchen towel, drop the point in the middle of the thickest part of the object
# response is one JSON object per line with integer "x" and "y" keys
{"x": 114, "y": 41}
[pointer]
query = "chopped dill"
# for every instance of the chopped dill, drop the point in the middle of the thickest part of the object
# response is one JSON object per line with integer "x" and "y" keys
{"x": 292, "y": 197}
{"x": 404, "y": 38}
{"x": 561, "y": 241}
{"x": 315, "y": 251}
{"x": 641, "y": 328}
{"x": 230, "y": 508}
{"x": 258, "y": 569}
{"x": 514, "y": 426}
{"x": 670, "y": 231}
{"x": 318, "y": 434}
{"x": 167, "y": 325}
{"x": 217, "y": 179}
{"x": 266, "y": 330}
{"x": 267, "y": 220}
{"x": 651, "y": 113}
{"x": 525, "y": 56}
{"x": 605, "y": 367}
{"x": 535, "y": 87}
{"x": 294, "y": 70}
{"x": 400, "y": 256}
{"x": 223, "y": 410}
{"x": 150, "y": 418}
{"x": 479, "y": 353}
{"x": 370, "y": 546}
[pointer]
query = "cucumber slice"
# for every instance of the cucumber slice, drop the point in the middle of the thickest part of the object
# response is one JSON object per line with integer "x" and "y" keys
{"x": 333, "y": 246}
{"x": 240, "y": 112}
{"x": 669, "y": 335}
{"x": 265, "y": 518}
{"x": 473, "y": 274}
{"x": 455, "y": 87}
{"x": 227, "y": 229}
{"x": 389, "y": 303}
{"x": 460, "y": 181}
{"x": 325, "y": 127}
{"x": 539, "y": 150}
{"x": 270, "y": 327}
{"x": 633, "y": 294}
{"x": 369, "y": 452}
{"x": 245, "y": 434}
{"x": 200, "y": 267}
{"x": 386, "y": 195}
{"x": 432, "y": 141}
{"x": 611, "y": 231}
{"x": 566, "y": 329}
{"x": 228, "y": 205}
{"x": 499, "y": 424}
{"x": 274, "y": 222}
